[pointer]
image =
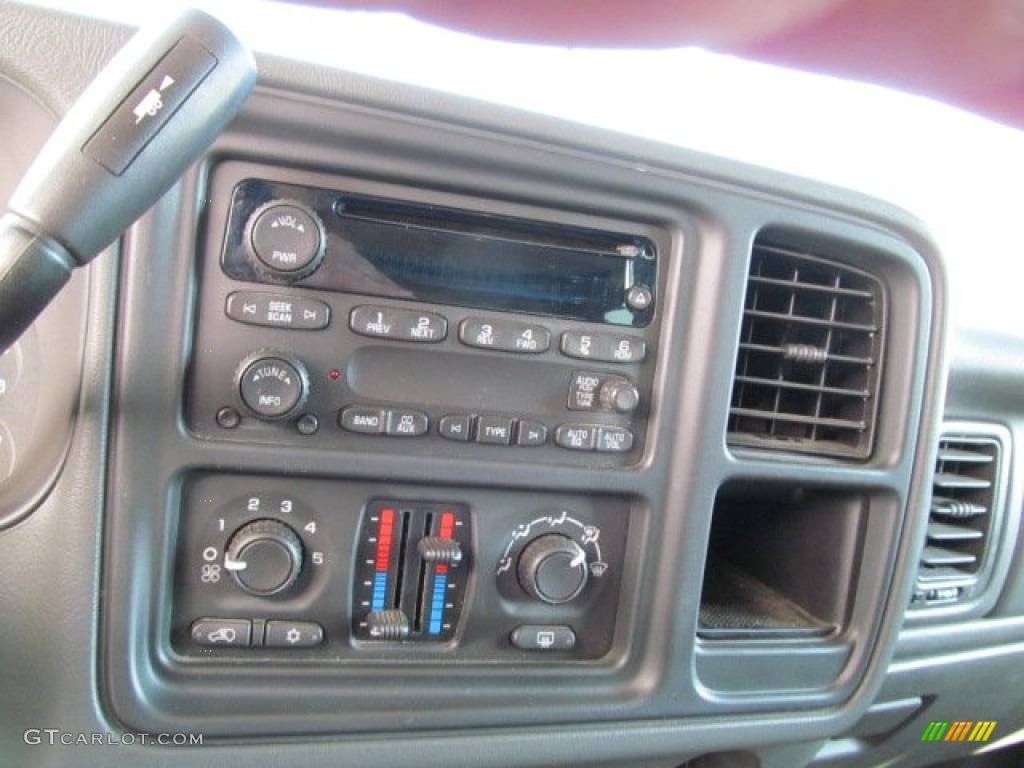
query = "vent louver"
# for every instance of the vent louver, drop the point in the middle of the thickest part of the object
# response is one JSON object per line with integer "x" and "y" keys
{"x": 961, "y": 519}
{"x": 809, "y": 358}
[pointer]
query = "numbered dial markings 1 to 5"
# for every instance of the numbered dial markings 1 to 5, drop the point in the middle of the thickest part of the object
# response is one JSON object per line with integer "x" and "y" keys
{"x": 261, "y": 544}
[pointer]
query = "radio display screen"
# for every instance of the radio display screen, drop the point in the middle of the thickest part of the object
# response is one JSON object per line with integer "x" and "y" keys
{"x": 444, "y": 256}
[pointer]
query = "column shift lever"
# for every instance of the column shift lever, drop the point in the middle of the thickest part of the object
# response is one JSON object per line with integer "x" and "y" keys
{"x": 147, "y": 116}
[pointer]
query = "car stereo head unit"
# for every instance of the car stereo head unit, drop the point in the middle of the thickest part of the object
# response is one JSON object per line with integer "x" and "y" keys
{"x": 335, "y": 241}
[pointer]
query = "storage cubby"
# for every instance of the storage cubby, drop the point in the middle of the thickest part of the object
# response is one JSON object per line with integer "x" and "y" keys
{"x": 782, "y": 561}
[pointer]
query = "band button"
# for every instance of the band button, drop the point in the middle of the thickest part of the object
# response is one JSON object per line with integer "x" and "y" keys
{"x": 367, "y": 421}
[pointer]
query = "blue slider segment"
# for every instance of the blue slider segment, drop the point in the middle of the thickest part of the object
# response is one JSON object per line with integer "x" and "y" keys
{"x": 437, "y": 603}
{"x": 380, "y": 588}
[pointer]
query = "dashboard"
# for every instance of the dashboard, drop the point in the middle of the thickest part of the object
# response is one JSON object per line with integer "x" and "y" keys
{"x": 410, "y": 429}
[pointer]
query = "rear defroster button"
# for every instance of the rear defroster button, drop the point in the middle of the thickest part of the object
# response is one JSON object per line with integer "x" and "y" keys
{"x": 543, "y": 637}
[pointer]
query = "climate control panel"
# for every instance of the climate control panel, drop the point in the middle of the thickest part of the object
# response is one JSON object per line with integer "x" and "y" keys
{"x": 352, "y": 570}
{"x": 411, "y": 571}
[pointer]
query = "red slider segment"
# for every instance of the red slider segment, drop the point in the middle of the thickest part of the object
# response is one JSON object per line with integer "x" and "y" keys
{"x": 446, "y": 531}
{"x": 384, "y": 537}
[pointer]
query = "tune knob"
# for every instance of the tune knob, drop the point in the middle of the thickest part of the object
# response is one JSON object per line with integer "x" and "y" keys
{"x": 272, "y": 385}
{"x": 264, "y": 556}
{"x": 286, "y": 240}
{"x": 553, "y": 568}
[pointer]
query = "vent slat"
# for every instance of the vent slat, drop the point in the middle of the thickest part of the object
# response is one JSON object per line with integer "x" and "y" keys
{"x": 952, "y": 480}
{"x": 832, "y": 358}
{"x": 942, "y": 532}
{"x": 947, "y": 454}
{"x": 808, "y": 363}
{"x": 796, "y": 418}
{"x": 943, "y": 505}
{"x": 803, "y": 387}
{"x": 960, "y": 520}
{"x": 827, "y": 289}
{"x": 937, "y": 557}
{"x": 782, "y": 317}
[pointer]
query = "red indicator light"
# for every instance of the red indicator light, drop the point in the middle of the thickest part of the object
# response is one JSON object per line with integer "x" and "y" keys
{"x": 334, "y": 374}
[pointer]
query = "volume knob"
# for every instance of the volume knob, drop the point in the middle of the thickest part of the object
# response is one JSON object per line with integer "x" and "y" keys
{"x": 553, "y": 568}
{"x": 286, "y": 240}
{"x": 264, "y": 556}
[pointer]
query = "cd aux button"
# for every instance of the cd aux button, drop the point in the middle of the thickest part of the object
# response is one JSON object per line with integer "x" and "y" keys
{"x": 403, "y": 423}
{"x": 504, "y": 336}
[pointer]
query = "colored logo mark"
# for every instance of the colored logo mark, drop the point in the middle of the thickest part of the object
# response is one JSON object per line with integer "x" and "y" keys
{"x": 959, "y": 730}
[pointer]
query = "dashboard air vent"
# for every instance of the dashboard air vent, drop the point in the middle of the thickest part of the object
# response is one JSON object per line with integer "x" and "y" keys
{"x": 961, "y": 519}
{"x": 809, "y": 359}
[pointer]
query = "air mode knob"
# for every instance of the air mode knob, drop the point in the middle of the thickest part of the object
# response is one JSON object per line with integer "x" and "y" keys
{"x": 553, "y": 568}
{"x": 264, "y": 556}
